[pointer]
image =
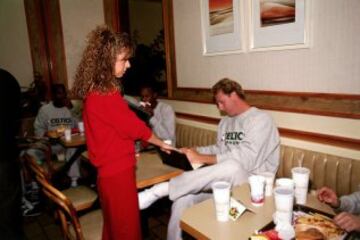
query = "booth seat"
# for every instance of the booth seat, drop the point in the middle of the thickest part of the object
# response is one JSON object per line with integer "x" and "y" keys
{"x": 339, "y": 173}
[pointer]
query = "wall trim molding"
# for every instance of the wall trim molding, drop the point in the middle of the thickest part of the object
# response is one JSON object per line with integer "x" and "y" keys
{"x": 324, "y": 104}
{"x": 332, "y": 140}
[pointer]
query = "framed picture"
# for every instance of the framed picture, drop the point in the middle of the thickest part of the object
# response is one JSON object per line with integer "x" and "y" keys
{"x": 222, "y": 26}
{"x": 279, "y": 24}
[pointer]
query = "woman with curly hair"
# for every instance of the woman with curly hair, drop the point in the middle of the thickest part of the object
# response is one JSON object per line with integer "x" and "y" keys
{"x": 111, "y": 129}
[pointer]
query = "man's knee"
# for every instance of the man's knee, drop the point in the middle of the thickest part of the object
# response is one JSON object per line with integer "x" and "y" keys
{"x": 234, "y": 172}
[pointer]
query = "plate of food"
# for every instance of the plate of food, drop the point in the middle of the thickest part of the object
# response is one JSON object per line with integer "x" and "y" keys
{"x": 309, "y": 224}
{"x": 318, "y": 226}
{"x": 53, "y": 134}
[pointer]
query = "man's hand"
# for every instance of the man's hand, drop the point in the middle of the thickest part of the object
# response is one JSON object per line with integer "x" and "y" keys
{"x": 192, "y": 155}
{"x": 148, "y": 108}
{"x": 328, "y": 196}
{"x": 347, "y": 221}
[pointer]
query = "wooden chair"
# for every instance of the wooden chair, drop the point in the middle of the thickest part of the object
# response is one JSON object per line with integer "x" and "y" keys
{"x": 88, "y": 226}
{"x": 82, "y": 197}
{"x": 43, "y": 144}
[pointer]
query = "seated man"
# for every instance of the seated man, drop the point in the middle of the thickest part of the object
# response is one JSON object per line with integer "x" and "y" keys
{"x": 247, "y": 143}
{"x": 56, "y": 116}
{"x": 162, "y": 119}
{"x": 348, "y": 206}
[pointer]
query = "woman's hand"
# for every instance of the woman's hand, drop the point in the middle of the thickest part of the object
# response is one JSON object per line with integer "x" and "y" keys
{"x": 328, "y": 196}
{"x": 166, "y": 148}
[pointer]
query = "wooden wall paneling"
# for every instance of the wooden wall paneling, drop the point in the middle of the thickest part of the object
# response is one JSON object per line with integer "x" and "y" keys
{"x": 55, "y": 41}
{"x": 37, "y": 41}
{"x": 46, "y": 41}
{"x": 331, "y": 140}
{"x": 325, "y": 104}
{"x": 169, "y": 39}
{"x": 116, "y": 13}
{"x": 111, "y": 14}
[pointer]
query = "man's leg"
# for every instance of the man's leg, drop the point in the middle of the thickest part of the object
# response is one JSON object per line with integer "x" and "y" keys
{"x": 74, "y": 171}
{"x": 149, "y": 196}
{"x": 200, "y": 180}
{"x": 193, "y": 182}
{"x": 177, "y": 209}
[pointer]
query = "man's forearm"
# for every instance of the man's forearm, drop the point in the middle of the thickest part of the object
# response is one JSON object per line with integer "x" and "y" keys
{"x": 207, "y": 159}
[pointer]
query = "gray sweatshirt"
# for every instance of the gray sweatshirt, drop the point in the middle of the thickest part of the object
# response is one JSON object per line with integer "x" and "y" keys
{"x": 350, "y": 203}
{"x": 251, "y": 138}
{"x": 50, "y": 117}
{"x": 163, "y": 122}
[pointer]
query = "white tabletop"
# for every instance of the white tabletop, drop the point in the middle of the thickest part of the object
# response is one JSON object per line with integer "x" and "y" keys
{"x": 200, "y": 221}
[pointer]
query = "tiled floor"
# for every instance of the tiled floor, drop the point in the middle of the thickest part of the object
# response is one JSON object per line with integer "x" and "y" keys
{"x": 44, "y": 227}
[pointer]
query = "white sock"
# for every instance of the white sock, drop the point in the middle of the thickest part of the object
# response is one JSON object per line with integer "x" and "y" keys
{"x": 149, "y": 196}
{"x": 160, "y": 189}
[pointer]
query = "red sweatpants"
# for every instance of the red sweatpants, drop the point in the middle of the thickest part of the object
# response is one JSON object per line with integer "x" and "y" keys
{"x": 119, "y": 203}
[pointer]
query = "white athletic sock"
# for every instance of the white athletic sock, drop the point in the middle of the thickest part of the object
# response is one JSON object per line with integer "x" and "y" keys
{"x": 149, "y": 196}
{"x": 161, "y": 189}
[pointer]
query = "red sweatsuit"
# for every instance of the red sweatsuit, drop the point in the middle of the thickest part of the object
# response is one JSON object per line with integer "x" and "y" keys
{"x": 111, "y": 129}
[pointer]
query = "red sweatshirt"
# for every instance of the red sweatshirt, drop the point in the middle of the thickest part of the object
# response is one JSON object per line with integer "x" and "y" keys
{"x": 111, "y": 129}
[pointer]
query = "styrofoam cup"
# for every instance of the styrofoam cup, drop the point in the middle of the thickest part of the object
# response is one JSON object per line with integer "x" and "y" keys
{"x": 284, "y": 203}
{"x": 285, "y": 182}
{"x": 301, "y": 176}
{"x": 221, "y": 193}
{"x": 269, "y": 182}
{"x": 257, "y": 189}
{"x": 67, "y": 134}
{"x": 81, "y": 127}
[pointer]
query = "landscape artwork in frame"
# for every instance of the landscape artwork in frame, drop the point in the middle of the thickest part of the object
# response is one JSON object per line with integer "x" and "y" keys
{"x": 279, "y": 24}
{"x": 221, "y": 26}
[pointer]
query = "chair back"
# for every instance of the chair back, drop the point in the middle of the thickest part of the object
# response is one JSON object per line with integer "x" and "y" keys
{"x": 64, "y": 208}
{"x": 34, "y": 168}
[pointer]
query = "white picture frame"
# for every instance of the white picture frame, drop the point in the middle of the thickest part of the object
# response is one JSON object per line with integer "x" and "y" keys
{"x": 225, "y": 37}
{"x": 266, "y": 36}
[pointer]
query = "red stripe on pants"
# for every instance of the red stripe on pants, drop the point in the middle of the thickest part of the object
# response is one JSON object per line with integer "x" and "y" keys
{"x": 119, "y": 203}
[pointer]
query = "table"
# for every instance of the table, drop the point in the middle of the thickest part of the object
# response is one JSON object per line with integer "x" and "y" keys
{"x": 150, "y": 169}
{"x": 77, "y": 141}
{"x": 200, "y": 222}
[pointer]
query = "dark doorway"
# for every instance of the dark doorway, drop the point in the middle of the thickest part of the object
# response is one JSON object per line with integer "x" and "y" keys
{"x": 148, "y": 66}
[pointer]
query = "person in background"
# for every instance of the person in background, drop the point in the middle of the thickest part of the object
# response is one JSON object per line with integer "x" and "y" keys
{"x": 247, "y": 143}
{"x": 162, "y": 119}
{"x": 347, "y": 206}
{"x": 53, "y": 118}
{"x": 111, "y": 129}
{"x": 11, "y": 224}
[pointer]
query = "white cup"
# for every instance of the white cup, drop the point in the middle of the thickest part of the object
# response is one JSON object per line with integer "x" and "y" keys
{"x": 81, "y": 127}
{"x": 67, "y": 134}
{"x": 301, "y": 176}
{"x": 221, "y": 192}
{"x": 284, "y": 203}
{"x": 285, "y": 182}
{"x": 257, "y": 187}
{"x": 269, "y": 182}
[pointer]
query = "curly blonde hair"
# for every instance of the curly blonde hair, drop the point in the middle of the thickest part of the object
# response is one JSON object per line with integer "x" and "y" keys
{"x": 96, "y": 69}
